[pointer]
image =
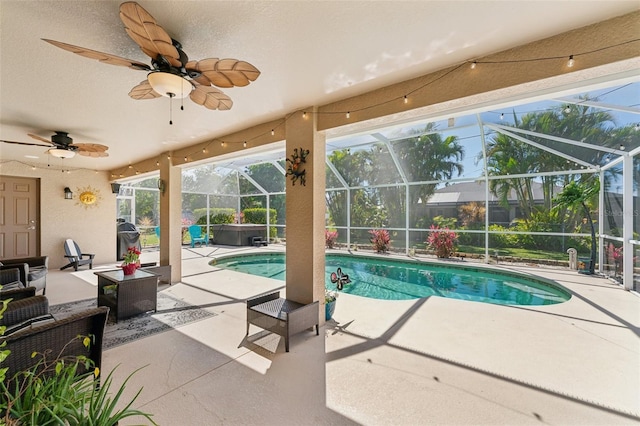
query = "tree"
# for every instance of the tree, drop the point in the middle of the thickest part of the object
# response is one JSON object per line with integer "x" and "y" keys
{"x": 424, "y": 158}
{"x": 580, "y": 195}
{"x": 581, "y": 123}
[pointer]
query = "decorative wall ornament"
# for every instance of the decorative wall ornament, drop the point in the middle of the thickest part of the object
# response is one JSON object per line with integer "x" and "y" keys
{"x": 295, "y": 167}
{"x": 339, "y": 279}
{"x": 89, "y": 197}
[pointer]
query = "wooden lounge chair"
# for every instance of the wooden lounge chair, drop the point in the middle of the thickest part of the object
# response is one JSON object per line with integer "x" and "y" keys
{"x": 75, "y": 256}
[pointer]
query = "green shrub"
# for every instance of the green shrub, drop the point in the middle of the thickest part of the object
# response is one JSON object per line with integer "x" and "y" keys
{"x": 259, "y": 215}
{"x": 217, "y": 215}
{"x": 499, "y": 240}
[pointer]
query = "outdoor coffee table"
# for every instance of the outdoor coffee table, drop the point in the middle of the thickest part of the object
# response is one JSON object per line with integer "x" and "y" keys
{"x": 128, "y": 295}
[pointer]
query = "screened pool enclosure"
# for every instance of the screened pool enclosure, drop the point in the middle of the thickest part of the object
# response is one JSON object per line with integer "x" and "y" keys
{"x": 497, "y": 177}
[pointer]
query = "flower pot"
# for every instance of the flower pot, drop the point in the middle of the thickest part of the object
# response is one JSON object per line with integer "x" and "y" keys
{"x": 329, "y": 308}
{"x": 129, "y": 268}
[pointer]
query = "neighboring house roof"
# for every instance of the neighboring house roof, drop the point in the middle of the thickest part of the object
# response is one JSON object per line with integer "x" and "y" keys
{"x": 467, "y": 192}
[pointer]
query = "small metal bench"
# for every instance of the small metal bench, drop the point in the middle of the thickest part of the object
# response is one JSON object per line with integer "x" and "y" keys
{"x": 281, "y": 316}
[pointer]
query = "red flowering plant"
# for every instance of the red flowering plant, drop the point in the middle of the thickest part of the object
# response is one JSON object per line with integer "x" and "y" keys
{"x": 380, "y": 239}
{"x": 330, "y": 238}
{"x": 442, "y": 241}
{"x": 132, "y": 256}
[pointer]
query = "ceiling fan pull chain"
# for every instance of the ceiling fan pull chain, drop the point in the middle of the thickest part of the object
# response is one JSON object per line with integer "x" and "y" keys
{"x": 170, "y": 109}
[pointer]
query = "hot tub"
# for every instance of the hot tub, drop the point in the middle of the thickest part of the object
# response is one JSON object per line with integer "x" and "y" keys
{"x": 238, "y": 234}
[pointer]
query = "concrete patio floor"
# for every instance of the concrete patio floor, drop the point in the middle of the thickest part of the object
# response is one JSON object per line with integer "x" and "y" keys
{"x": 426, "y": 361}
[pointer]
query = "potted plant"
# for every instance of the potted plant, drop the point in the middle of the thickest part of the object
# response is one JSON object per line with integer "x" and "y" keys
{"x": 55, "y": 392}
{"x": 330, "y": 297}
{"x": 131, "y": 261}
{"x": 442, "y": 241}
{"x": 380, "y": 240}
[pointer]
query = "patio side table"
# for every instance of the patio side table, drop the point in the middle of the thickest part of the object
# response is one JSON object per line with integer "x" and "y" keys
{"x": 128, "y": 295}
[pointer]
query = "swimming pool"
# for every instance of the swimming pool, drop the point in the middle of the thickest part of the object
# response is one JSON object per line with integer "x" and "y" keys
{"x": 392, "y": 279}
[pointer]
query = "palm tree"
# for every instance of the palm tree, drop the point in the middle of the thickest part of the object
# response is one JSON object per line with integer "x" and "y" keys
{"x": 578, "y": 195}
{"x": 428, "y": 157}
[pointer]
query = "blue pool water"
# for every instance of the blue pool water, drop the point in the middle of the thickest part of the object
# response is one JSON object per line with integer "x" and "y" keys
{"x": 391, "y": 279}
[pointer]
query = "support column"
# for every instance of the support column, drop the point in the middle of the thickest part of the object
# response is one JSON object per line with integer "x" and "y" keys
{"x": 171, "y": 218}
{"x": 305, "y": 213}
{"x": 627, "y": 222}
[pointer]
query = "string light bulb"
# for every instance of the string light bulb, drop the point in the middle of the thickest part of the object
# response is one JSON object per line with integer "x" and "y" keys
{"x": 348, "y": 114}
{"x": 304, "y": 114}
{"x": 473, "y": 65}
{"x": 185, "y": 159}
{"x": 244, "y": 144}
{"x": 502, "y": 116}
{"x": 204, "y": 150}
{"x": 158, "y": 163}
{"x": 406, "y": 100}
{"x": 571, "y": 61}
{"x": 567, "y": 109}
{"x": 222, "y": 144}
{"x": 273, "y": 132}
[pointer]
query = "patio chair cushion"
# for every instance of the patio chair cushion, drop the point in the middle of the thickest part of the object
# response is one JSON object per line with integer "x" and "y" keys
{"x": 31, "y": 322}
{"x": 12, "y": 285}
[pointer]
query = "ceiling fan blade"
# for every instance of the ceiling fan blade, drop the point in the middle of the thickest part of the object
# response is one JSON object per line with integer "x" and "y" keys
{"x": 94, "y": 154}
{"x": 197, "y": 76}
{"x": 100, "y": 56}
{"x": 227, "y": 72}
{"x": 90, "y": 147}
{"x": 143, "y": 91}
{"x": 210, "y": 98}
{"x": 25, "y": 143}
{"x": 38, "y": 138}
{"x": 145, "y": 31}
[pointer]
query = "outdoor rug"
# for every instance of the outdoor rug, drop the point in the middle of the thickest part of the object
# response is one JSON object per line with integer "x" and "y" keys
{"x": 172, "y": 313}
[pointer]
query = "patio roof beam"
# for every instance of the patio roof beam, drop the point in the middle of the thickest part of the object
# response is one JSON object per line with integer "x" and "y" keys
{"x": 601, "y": 105}
{"x": 254, "y": 183}
{"x": 502, "y": 130}
{"x": 279, "y": 167}
{"x": 557, "y": 139}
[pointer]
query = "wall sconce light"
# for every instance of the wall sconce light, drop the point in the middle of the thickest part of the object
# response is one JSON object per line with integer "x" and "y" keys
{"x": 68, "y": 195}
{"x": 115, "y": 188}
{"x": 161, "y": 186}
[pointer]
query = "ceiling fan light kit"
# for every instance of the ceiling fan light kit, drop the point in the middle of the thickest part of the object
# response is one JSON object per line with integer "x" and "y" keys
{"x": 169, "y": 85}
{"x": 61, "y": 153}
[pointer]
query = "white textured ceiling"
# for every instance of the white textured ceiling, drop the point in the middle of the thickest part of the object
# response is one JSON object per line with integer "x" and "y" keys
{"x": 309, "y": 53}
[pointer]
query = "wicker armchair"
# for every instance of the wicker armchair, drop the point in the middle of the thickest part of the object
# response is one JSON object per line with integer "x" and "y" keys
{"x": 10, "y": 279}
{"x": 57, "y": 338}
{"x": 21, "y": 310}
{"x": 33, "y": 270}
{"x": 282, "y": 316}
{"x": 18, "y": 293}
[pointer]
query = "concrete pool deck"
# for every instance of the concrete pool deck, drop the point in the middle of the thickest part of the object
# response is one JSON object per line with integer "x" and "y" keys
{"x": 425, "y": 361}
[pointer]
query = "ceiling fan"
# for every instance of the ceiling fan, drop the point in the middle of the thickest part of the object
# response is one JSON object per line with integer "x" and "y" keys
{"x": 171, "y": 73}
{"x": 62, "y": 146}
